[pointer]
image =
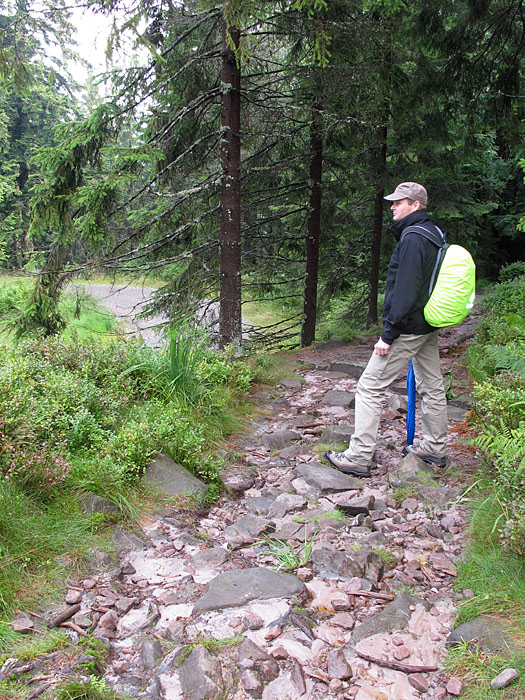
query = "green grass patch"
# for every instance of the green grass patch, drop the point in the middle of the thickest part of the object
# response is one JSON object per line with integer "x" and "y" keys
{"x": 477, "y": 668}
{"x": 497, "y": 577}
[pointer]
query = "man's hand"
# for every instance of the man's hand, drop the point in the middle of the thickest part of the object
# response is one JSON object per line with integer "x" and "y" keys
{"x": 381, "y": 348}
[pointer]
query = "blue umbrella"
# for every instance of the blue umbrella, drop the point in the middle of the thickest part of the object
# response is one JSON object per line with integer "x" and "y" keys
{"x": 411, "y": 410}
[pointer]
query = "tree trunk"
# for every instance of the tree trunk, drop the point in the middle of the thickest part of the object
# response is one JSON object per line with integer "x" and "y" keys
{"x": 314, "y": 228}
{"x": 375, "y": 242}
{"x": 230, "y": 328}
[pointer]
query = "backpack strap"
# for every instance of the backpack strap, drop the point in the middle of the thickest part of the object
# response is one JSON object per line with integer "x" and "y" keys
{"x": 442, "y": 247}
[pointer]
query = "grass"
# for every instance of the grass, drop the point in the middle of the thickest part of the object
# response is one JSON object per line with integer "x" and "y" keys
{"x": 286, "y": 555}
{"x": 477, "y": 668}
{"x": 497, "y": 577}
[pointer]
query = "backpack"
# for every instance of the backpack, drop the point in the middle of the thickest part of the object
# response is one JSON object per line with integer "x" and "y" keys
{"x": 452, "y": 284}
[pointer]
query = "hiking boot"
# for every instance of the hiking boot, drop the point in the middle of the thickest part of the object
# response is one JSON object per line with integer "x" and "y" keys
{"x": 425, "y": 456}
{"x": 343, "y": 464}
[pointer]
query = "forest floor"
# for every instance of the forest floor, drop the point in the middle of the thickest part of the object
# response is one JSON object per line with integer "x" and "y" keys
{"x": 300, "y": 582}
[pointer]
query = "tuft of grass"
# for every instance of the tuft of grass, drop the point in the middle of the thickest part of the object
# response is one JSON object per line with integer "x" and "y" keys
{"x": 288, "y": 558}
{"x": 402, "y": 492}
{"x": 94, "y": 689}
{"x": 323, "y": 447}
{"x": 477, "y": 668}
{"x": 389, "y": 559}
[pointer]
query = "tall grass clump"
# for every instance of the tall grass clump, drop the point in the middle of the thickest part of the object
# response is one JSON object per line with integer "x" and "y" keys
{"x": 496, "y": 359}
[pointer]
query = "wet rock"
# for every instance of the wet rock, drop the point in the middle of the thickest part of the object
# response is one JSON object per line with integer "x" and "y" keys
{"x": 340, "y": 398}
{"x": 355, "y": 506}
{"x": 438, "y": 496}
{"x": 336, "y": 434}
{"x": 349, "y": 564}
{"x": 410, "y": 470}
{"x": 209, "y": 558}
{"x": 351, "y": 369}
{"x": 337, "y": 665}
{"x": 150, "y": 654}
{"x": 233, "y": 588}
{"x": 279, "y": 439}
{"x": 486, "y": 631}
{"x": 290, "y": 383}
{"x": 419, "y": 682}
{"x": 395, "y": 616}
{"x": 262, "y": 665}
{"x": 125, "y": 541}
{"x": 327, "y": 479}
{"x": 172, "y": 478}
{"x": 201, "y": 676}
{"x": 247, "y": 529}
{"x": 23, "y": 624}
{"x": 504, "y": 679}
{"x": 455, "y": 687}
{"x": 260, "y": 505}
{"x": 237, "y": 481}
{"x": 398, "y": 403}
{"x": 286, "y": 503}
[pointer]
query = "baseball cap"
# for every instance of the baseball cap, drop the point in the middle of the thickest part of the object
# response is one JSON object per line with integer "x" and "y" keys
{"x": 410, "y": 190}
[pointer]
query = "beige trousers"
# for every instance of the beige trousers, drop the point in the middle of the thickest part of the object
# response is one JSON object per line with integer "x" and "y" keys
{"x": 380, "y": 372}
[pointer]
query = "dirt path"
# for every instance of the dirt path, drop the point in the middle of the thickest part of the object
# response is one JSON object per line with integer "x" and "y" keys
{"x": 195, "y": 609}
{"x": 126, "y": 303}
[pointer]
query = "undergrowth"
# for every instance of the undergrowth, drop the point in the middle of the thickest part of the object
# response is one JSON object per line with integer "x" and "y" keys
{"x": 85, "y": 417}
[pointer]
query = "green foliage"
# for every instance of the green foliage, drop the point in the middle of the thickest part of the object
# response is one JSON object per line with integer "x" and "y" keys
{"x": 499, "y": 405}
{"x": 512, "y": 271}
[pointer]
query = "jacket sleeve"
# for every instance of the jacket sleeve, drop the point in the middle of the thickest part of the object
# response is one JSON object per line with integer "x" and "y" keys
{"x": 407, "y": 285}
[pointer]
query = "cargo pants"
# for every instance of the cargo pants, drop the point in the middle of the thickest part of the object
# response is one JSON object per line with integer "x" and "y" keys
{"x": 380, "y": 372}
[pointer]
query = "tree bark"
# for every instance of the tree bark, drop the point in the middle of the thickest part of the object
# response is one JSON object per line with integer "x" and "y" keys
{"x": 375, "y": 241}
{"x": 230, "y": 328}
{"x": 313, "y": 235}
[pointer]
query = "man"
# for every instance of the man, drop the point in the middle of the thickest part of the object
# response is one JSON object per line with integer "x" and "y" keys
{"x": 406, "y": 336}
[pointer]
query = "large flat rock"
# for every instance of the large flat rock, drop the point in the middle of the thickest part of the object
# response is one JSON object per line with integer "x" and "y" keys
{"x": 392, "y": 618}
{"x": 326, "y": 478}
{"x": 172, "y": 478}
{"x": 234, "y": 588}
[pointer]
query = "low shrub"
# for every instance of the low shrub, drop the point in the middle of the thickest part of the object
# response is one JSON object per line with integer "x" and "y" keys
{"x": 511, "y": 271}
{"x": 496, "y": 359}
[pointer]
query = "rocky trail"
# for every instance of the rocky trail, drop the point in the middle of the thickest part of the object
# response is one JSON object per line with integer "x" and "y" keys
{"x": 193, "y": 606}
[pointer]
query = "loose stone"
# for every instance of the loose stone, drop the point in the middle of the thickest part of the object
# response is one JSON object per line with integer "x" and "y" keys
{"x": 504, "y": 679}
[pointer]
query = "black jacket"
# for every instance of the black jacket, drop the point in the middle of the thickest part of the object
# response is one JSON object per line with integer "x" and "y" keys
{"x": 408, "y": 278}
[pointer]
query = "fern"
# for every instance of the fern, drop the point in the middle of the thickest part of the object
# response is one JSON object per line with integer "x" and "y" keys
{"x": 505, "y": 448}
{"x": 508, "y": 358}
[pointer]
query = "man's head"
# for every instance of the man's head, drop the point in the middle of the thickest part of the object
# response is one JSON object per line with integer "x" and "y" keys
{"x": 407, "y": 198}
